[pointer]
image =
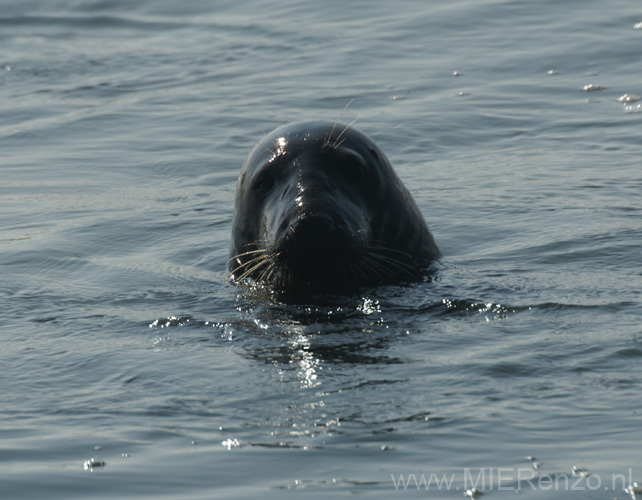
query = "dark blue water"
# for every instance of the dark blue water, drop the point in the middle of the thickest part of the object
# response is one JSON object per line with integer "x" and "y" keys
{"x": 130, "y": 367}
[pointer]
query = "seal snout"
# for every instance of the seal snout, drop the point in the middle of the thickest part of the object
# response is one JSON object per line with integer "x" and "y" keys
{"x": 313, "y": 234}
{"x": 314, "y": 248}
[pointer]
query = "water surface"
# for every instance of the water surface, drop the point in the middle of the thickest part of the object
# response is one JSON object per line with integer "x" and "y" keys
{"x": 123, "y": 131}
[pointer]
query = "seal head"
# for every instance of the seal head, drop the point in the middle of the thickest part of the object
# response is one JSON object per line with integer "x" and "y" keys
{"x": 319, "y": 208}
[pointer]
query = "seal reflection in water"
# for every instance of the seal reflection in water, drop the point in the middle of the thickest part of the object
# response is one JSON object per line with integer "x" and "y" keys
{"x": 319, "y": 209}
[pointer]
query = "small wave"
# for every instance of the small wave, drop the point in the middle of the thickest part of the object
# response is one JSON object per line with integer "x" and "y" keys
{"x": 628, "y": 98}
{"x": 93, "y": 22}
{"x": 464, "y": 306}
{"x": 590, "y": 87}
{"x": 170, "y": 321}
{"x": 628, "y": 352}
{"x": 637, "y": 108}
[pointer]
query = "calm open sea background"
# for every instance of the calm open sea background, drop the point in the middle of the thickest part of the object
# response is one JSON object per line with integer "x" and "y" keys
{"x": 122, "y": 131}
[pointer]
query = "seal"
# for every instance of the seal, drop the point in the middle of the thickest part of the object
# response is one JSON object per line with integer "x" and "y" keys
{"x": 319, "y": 209}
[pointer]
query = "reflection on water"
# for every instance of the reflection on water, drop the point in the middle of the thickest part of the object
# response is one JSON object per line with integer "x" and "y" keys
{"x": 302, "y": 355}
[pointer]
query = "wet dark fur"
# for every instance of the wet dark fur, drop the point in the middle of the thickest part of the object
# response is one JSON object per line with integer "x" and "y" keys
{"x": 319, "y": 208}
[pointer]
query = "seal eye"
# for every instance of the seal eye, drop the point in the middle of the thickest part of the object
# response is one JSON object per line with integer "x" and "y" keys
{"x": 355, "y": 167}
{"x": 264, "y": 185}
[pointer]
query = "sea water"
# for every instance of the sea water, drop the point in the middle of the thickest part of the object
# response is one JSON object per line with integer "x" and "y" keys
{"x": 131, "y": 368}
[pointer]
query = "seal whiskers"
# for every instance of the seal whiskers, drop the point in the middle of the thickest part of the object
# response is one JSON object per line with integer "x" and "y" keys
{"x": 334, "y": 144}
{"x": 327, "y": 143}
{"x": 260, "y": 258}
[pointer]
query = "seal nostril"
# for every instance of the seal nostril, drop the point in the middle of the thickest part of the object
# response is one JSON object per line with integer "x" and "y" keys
{"x": 316, "y": 228}
{"x": 311, "y": 234}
